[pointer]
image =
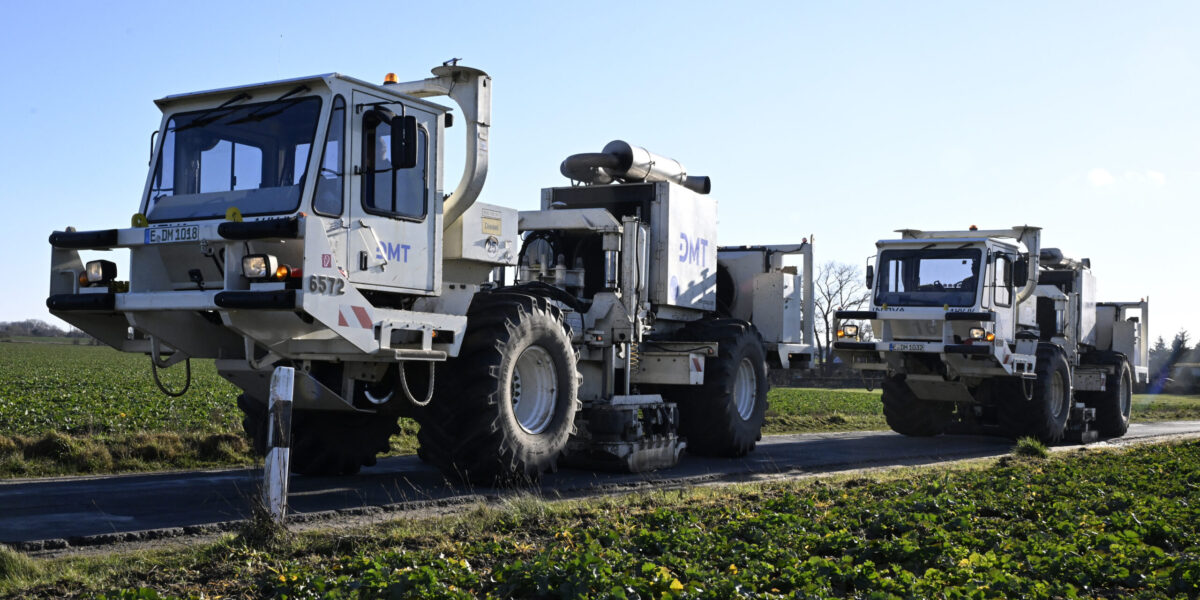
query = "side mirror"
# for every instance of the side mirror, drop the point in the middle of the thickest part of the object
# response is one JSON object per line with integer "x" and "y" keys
{"x": 870, "y": 276}
{"x": 1021, "y": 270}
{"x": 403, "y": 133}
{"x": 404, "y": 138}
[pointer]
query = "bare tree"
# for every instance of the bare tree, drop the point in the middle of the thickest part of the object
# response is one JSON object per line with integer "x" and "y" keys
{"x": 839, "y": 286}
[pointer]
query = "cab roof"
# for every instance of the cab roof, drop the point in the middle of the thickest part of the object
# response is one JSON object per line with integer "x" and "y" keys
{"x": 324, "y": 79}
{"x": 942, "y": 242}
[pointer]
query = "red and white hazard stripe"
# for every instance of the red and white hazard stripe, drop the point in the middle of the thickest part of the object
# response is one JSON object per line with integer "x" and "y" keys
{"x": 353, "y": 316}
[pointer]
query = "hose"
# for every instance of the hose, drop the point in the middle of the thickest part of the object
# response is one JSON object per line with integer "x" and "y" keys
{"x": 187, "y": 363}
{"x": 408, "y": 394}
{"x": 550, "y": 237}
{"x": 549, "y": 292}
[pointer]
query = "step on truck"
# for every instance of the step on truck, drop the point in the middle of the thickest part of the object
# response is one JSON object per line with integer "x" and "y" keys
{"x": 304, "y": 223}
{"x": 986, "y": 331}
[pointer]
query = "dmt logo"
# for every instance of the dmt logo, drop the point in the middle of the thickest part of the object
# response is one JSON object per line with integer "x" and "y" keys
{"x": 692, "y": 251}
{"x": 397, "y": 252}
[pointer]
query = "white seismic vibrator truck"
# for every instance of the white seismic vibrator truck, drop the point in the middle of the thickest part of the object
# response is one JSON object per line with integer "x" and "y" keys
{"x": 303, "y": 223}
{"x": 985, "y": 330}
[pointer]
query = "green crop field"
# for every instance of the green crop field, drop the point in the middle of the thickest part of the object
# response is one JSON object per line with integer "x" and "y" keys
{"x": 67, "y": 408}
{"x": 793, "y": 410}
{"x": 89, "y": 409}
{"x": 95, "y": 389}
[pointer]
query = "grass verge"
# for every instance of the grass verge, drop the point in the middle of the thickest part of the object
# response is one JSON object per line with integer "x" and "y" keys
{"x": 1031, "y": 447}
{"x": 1165, "y": 407}
{"x": 56, "y": 453}
{"x": 1114, "y": 523}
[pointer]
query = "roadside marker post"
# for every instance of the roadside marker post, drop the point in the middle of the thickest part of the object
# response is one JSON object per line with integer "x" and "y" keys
{"x": 279, "y": 444}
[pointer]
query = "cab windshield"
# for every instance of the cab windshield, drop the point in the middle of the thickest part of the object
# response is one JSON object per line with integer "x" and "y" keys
{"x": 253, "y": 157}
{"x": 930, "y": 277}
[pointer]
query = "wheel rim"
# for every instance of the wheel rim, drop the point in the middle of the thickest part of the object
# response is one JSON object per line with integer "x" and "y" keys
{"x": 1058, "y": 395}
{"x": 1126, "y": 396}
{"x": 534, "y": 389}
{"x": 745, "y": 389}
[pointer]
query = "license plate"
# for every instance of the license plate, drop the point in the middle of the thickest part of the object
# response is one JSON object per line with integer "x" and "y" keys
{"x": 164, "y": 235}
{"x": 907, "y": 347}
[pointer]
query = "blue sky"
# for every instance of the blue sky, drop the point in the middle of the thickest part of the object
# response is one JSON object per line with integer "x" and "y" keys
{"x": 843, "y": 120}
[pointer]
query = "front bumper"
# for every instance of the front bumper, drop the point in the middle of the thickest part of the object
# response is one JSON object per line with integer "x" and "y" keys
{"x": 973, "y": 358}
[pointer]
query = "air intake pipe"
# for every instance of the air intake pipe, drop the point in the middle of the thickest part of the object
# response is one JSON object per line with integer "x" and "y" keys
{"x": 1032, "y": 238}
{"x": 624, "y": 162}
{"x": 471, "y": 89}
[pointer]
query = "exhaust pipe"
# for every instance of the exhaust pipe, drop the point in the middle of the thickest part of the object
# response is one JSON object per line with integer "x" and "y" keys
{"x": 625, "y": 162}
{"x": 1032, "y": 238}
{"x": 471, "y": 89}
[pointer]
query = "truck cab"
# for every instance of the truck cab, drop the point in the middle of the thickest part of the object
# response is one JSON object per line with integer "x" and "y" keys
{"x": 329, "y": 146}
{"x": 302, "y": 219}
{"x": 952, "y": 295}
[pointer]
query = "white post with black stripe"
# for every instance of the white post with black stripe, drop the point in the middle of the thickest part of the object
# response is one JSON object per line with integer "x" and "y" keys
{"x": 279, "y": 444}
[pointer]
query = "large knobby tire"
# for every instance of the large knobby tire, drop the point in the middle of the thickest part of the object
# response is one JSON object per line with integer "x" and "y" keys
{"x": 504, "y": 408}
{"x": 324, "y": 442}
{"x": 1114, "y": 404}
{"x": 1045, "y": 416}
{"x": 724, "y": 417}
{"x": 908, "y": 415}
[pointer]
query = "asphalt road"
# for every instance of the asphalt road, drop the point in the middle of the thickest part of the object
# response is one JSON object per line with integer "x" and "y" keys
{"x": 71, "y": 508}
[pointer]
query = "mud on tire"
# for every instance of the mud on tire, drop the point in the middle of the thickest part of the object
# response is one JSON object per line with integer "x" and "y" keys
{"x": 504, "y": 407}
{"x": 908, "y": 415}
{"x": 324, "y": 442}
{"x": 724, "y": 417}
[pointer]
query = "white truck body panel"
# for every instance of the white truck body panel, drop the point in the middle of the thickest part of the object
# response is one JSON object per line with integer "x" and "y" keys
{"x": 683, "y": 234}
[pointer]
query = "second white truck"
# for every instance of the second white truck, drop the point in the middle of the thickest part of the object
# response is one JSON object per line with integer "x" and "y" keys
{"x": 988, "y": 331}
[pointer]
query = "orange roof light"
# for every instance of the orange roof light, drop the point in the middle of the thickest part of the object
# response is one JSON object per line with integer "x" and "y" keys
{"x": 974, "y": 228}
{"x": 390, "y": 78}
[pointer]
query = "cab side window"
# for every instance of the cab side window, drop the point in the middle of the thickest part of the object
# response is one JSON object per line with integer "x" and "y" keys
{"x": 1001, "y": 281}
{"x": 328, "y": 198}
{"x": 389, "y": 189}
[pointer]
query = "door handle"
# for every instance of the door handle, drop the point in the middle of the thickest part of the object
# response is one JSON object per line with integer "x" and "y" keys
{"x": 371, "y": 243}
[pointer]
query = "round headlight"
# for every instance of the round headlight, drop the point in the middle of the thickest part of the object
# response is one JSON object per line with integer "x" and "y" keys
{"x": 259, "y": 266}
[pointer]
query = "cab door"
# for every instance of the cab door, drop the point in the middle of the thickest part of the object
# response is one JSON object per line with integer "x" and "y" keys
{"x": 393, "y": 204}
{"x": 1000, "y": 295}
